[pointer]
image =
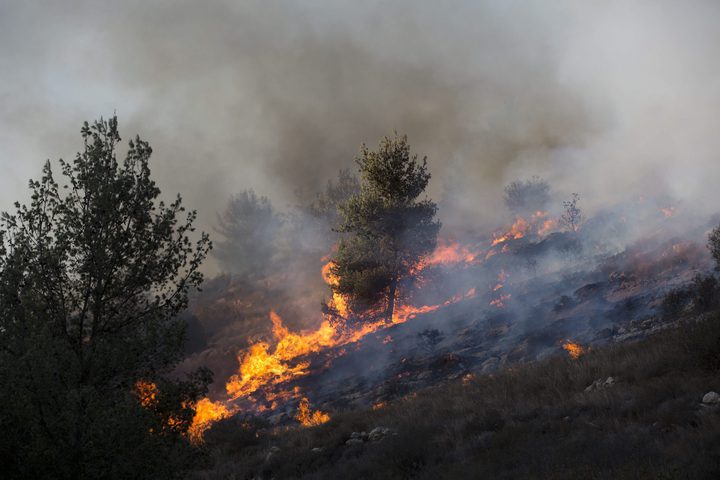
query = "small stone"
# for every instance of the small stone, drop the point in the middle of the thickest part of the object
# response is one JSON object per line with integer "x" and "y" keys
{"x": 273, "y": 450}
{"x": 316, "y": 450}
{"x": 354, "y": 441}
{"x": 711, "y": 398}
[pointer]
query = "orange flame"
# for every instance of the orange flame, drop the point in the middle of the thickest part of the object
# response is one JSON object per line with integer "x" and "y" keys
{"x": 309, "y": 418}
{"x": 339, "y": 303}
{"x": 517, "y": 230}
{"x": 147, "y": 393}
{"x": 206, "y": 413}
{"x": 668, "y": 211}
{"x": 574, "y": 350}
{"x": 500, "y": 302}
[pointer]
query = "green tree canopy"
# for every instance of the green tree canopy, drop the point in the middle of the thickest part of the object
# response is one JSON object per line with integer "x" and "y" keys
{"x": 93, "y": 275}
{"x": 387, "y": 228}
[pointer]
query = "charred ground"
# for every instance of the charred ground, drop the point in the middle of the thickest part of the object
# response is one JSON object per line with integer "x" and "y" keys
{"x": 551, "y": 419}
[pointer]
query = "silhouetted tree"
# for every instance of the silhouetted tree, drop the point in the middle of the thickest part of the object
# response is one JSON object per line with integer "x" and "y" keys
{"x": 327, "y": 203}
{"x": 388, "y": 230}
{"x": 526, "y": 197}
{"x": 714, "y": 245}
{"x": 249, "y": 226}
{"x": 93, "y": 276}
{"x": 572, "y": 216}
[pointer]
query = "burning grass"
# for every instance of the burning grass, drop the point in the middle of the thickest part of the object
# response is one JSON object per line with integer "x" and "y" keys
{"x": 534, "y": 421}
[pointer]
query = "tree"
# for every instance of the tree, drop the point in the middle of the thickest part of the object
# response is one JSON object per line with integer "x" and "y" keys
{"x": 327, "y": 203}
{"x": 93, "y": 276}
{"x": 572, "y": 216}
{"x": 249, "y": 226}
{"x": 387, "y": 229}
{"x": 714, "y": 245}
{"x": 523, "y": 198}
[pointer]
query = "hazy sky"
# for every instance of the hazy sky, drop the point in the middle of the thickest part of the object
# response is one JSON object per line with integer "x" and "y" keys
{"x": 600, "y": 97}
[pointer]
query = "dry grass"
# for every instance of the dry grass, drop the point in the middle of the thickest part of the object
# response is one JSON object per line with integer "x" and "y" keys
{"x": 534, "y": 421}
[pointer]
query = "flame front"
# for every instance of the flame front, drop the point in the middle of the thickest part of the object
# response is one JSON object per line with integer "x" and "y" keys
{"x": 574, "y": 350}
{"x": 206, "y": 413}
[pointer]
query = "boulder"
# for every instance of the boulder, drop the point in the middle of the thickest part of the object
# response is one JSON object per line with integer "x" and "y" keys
{"x": 711, "y": 398}
{"x": 378, "y": 433}
{"x": 599, "y": 384}
{"x": 272, "y": 451}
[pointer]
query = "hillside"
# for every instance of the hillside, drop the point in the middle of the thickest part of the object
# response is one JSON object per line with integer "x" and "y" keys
{"x": 549, "y": 419}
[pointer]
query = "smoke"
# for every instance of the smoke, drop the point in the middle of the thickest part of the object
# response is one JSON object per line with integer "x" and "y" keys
{"x": 604, "y": 98}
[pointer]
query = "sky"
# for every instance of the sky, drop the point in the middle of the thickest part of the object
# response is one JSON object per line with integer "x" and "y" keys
{"x": 606, "y": 98}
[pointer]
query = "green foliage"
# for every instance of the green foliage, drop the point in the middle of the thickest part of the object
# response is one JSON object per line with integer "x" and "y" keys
{"x": 388, "y": 229}
{"x": 93, "y": 275}
{"x": 250, "y": 226}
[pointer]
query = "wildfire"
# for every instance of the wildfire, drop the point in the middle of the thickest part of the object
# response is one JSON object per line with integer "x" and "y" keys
{"x": 668, "y": 211}
{"x": 206, "y": 413}
{"x": 500, "y": 302}
{"x": 338, "y": 301}
{"x": 517, "y": 230}
{"x": 146, "y": 392}
{"x": 450, "y": 252}
{"x": 309, "y": 418}
{"x": 574, "y": 350}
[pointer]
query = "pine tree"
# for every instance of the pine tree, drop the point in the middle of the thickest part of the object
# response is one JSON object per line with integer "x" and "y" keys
{"x": 387, "y": 228}
{"x": 93, "y": 275}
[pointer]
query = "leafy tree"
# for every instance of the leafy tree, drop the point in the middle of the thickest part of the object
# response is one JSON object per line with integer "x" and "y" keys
{"x": 523, "y": 198}
{"x": 388, "y": 230}
{"x": 249, "y": 226}
{"x": 327, "y": 204}
{"x": 93, "y": 276}
{"x": 572, "y": 216}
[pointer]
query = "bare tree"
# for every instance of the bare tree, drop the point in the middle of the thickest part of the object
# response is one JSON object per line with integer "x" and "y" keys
{"x": 572, "y": 217}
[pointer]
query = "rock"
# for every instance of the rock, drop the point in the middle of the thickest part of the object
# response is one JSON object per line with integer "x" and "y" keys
{"x": 273, "y": 450}
{"x": 711, "y": 398}
{"x": 316, "y": 450}
{"x": 278, "y": 418}
{"x": 600, "y": 384}
{"x": 354, "y": 441}
{"x": 378, "y": 433}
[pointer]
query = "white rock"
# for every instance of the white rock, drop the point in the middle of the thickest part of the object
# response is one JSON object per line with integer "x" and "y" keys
{"x": 711, "y": 397}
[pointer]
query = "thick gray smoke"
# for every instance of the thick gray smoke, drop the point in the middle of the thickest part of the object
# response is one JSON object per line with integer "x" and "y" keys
{"x": 607, "y": 98}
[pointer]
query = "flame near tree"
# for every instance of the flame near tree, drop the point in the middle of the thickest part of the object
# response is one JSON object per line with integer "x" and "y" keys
{"x": 268, "y": 368}
{"x": 388, "y": 230}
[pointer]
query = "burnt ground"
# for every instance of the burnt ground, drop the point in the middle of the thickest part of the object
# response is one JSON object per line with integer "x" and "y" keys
{"x": 557, "y": 418}
{"x": 593, "y": 303}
